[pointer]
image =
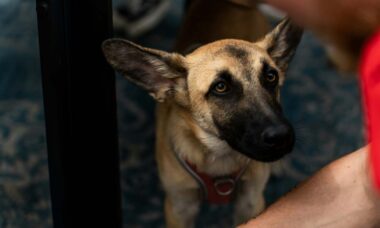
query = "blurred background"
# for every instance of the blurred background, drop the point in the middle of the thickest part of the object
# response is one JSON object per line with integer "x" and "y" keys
{"x": 323, "y": 105}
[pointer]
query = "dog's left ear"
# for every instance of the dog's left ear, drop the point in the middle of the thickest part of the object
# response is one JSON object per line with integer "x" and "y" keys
{"x": 281, "y": 43}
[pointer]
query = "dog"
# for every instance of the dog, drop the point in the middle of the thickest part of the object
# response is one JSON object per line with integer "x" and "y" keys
{"x": 219, "y": 118}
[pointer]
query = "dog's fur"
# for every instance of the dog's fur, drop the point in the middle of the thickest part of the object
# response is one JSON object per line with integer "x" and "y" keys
{"x": 217, "y": 132}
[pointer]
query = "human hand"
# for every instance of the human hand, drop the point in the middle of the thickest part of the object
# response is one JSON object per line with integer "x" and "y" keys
{"x": 346, "y": 23}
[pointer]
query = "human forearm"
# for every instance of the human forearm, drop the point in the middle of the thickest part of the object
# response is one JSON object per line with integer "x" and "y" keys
{"x": 337, "y": 196}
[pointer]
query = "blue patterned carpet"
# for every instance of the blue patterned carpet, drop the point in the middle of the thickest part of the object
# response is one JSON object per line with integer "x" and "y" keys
{"x": 323, "y": 106}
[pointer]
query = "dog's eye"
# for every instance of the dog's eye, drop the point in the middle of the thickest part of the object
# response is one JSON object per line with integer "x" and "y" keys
{"x": 221, "y": 87}
{"x": 271, "y": 76}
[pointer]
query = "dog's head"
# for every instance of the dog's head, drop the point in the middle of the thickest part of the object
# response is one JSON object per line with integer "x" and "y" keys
{"x": 230, "y": 87}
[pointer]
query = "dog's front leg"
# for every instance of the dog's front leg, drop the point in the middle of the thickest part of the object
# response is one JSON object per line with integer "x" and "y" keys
{"x": 250, "y": 202}
{"x": 181, "y": 208}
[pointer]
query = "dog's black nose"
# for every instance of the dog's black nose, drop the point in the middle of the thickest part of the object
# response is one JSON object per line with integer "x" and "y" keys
{"x": 276, "y": 137}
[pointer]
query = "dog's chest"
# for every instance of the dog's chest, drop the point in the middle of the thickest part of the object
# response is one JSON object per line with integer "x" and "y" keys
{"x": 218, "y": 186}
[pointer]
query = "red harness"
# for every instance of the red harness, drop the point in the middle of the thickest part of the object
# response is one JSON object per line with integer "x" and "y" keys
{"x": 216, "y": 190}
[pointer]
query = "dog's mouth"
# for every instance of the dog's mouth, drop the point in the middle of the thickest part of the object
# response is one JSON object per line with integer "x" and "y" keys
{"x": 266, "y": 156}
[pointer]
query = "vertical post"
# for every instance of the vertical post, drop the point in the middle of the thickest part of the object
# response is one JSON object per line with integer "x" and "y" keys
{"x": 80, "y": 113}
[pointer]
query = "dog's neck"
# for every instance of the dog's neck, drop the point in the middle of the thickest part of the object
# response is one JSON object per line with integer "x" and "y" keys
{"x": 205, "y": 150}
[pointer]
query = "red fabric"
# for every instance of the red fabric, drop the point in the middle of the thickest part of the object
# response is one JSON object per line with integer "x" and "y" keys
{"x": 213, "y": 197}
{"x": 370, "y": 81}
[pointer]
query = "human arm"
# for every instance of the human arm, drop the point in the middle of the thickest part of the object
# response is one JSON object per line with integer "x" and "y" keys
{"x": 339, "y": 195}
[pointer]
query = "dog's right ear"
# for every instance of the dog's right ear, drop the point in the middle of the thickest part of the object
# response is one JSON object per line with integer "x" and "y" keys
{"x": 158, "y": 72}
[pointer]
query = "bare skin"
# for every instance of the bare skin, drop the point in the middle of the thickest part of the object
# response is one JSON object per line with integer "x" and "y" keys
{"x": 334, "y": 19}
{"x": 339, "y": 195}
{"x": 344, "y": 25}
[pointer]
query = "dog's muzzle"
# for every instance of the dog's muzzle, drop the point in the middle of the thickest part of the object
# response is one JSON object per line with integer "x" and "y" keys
{"x": 268, "y": 145}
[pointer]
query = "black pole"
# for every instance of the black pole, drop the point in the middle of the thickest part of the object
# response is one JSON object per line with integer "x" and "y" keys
{"x": 80, "y": 113}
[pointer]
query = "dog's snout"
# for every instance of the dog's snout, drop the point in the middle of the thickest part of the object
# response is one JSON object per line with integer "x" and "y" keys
{"x": 276, "y": 137}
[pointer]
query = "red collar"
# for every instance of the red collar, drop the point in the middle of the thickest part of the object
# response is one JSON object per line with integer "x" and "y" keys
{"x": 216, "y": 190}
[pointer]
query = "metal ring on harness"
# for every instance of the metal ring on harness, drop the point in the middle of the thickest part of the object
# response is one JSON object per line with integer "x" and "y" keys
{"x": 220, "y": 184}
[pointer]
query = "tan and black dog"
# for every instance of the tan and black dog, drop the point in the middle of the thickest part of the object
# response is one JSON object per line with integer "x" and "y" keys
{"x": 218, "y": 114}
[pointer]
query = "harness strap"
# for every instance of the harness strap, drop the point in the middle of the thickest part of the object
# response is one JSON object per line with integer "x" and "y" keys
{"x": 216, "y": 190}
